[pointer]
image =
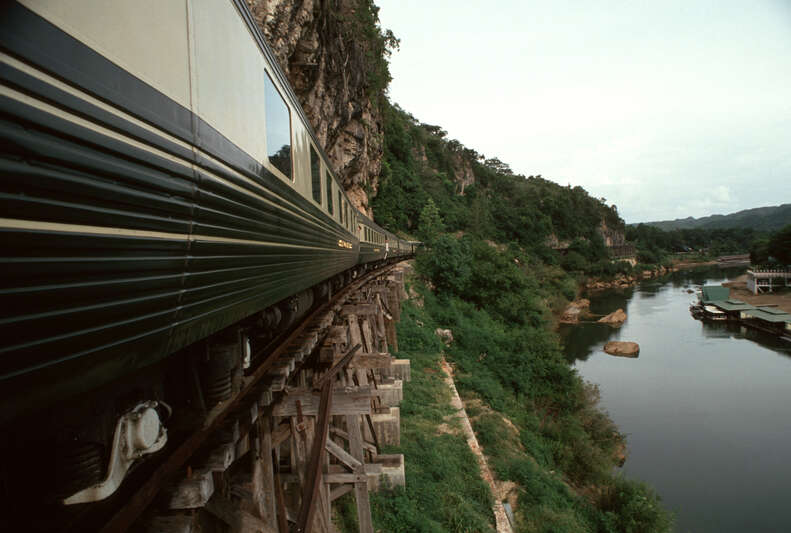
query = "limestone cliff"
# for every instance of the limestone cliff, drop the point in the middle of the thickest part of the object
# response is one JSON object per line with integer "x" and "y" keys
{"x": 613, "y": 236}
{"x": 333, "y": 53}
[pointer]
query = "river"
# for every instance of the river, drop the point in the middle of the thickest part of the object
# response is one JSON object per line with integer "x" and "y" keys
{"x": 706, "y": 407}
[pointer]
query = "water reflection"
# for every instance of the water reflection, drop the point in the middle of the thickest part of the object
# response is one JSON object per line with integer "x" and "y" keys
{"x": 734, "y": 330}
{"x": 580, "y": 339}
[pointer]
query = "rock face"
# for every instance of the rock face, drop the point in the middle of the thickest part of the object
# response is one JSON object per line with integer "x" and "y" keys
{"x": 612, "y": 236}
{"x": 462, "y": 172}
{"x": 575, "y": 310}
{"x": 616, "y": 318}
{"x": 319, "y": 47}
{"x": 445, "y": 335}
{"x": 622, "y": 348}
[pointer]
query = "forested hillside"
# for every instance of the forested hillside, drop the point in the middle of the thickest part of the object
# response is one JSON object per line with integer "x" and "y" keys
{"x": 763, "y": 219}
{"x": 483, "y": 198}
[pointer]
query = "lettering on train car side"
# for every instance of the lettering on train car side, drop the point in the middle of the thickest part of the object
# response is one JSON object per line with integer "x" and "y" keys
{"x": 344, "y": 244}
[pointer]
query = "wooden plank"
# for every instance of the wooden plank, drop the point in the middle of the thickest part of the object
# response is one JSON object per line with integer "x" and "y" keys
{"x": 342, "y": 455}
{"x": 344, "y": 402}
{"x": 371, "y": 360}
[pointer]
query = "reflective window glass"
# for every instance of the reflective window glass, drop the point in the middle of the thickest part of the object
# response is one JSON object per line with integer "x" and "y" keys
{"x": 315, "y": 174}
{"x": 278, "y": 129}
{"x": 329, "y": 191}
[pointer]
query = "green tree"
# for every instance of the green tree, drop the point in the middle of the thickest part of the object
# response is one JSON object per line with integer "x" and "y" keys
{"x": 759, "y": 252}
{"x": 779, "y": 245}
{"x": 430, "y": 225}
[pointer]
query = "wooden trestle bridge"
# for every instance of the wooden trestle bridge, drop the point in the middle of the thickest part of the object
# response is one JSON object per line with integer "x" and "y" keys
{"x": 306, "y": 428}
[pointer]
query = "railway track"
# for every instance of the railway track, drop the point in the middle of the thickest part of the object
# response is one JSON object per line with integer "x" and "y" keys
{"x": 305, "y": 427}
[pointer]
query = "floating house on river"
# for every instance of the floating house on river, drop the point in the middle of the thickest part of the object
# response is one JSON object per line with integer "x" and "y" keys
{"x": 715, "y": 304}
{"x": 713, "y": 293}
{"x": 733, "y": 309}
{"x": 769, "y": 319}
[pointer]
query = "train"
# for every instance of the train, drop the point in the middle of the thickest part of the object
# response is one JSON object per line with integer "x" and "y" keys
{"x": 164, "y": 198}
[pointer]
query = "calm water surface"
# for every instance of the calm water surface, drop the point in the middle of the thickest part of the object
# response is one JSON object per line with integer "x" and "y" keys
{"x": 706, "y": 407}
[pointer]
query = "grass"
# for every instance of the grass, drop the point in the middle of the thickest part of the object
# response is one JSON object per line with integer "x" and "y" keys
{"x": 444, "y": 491}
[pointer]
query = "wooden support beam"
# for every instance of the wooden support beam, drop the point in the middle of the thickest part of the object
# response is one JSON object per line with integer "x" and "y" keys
{"x": 310, "y": 492}
{"x": 330, "y": 374}
{"x": 342, "y": 455}
{"x": 360, "y": 309}
{"x": 181, "y": 523}
{"x": 350, "y": 401}
{"x": 371, "y": 360}
{"x": 281, "y": 433}
{"x": 192, "y": 492}
{"x": 239, "y": 520}
{"x": 368, "y": 336}
{"x": 355, "y": 335}
{"x": 392, "y": 338}
{"x": 337, "y": 492}
{"x": 280, "y": 499}
{"x": 344, "y": 435}
{"x": 263, "y": 472}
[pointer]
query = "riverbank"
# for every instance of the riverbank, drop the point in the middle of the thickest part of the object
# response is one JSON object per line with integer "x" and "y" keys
{"x": 624, "y": 281}
{"x": 550, "y": 448}
{"x": 739, "y": 291}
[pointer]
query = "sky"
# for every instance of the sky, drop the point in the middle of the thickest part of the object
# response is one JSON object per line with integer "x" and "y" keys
{"x": 666, "y": 108}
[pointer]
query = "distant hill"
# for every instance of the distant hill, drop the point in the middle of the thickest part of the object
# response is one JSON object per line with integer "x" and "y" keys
{"x": 760, "y": 218}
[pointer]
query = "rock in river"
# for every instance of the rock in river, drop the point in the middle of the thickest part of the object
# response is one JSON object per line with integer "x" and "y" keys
{"x": 616, "y": 318}
{"x": 575, "y": 309}
{"x": 622, "y": 348}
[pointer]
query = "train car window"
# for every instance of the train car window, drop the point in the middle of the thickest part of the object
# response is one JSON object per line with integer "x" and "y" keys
{"x": 278, "y": 128}
{"x": 315, "y": 174}
{"x": 340, "y": 207}
{"x": 329, "y": 191}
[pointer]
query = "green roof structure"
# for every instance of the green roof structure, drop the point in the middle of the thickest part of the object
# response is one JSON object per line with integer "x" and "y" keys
{"x": 769, "y": 314}
{"x": 732, "y": 305}
{"x": 712, "y": 293}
